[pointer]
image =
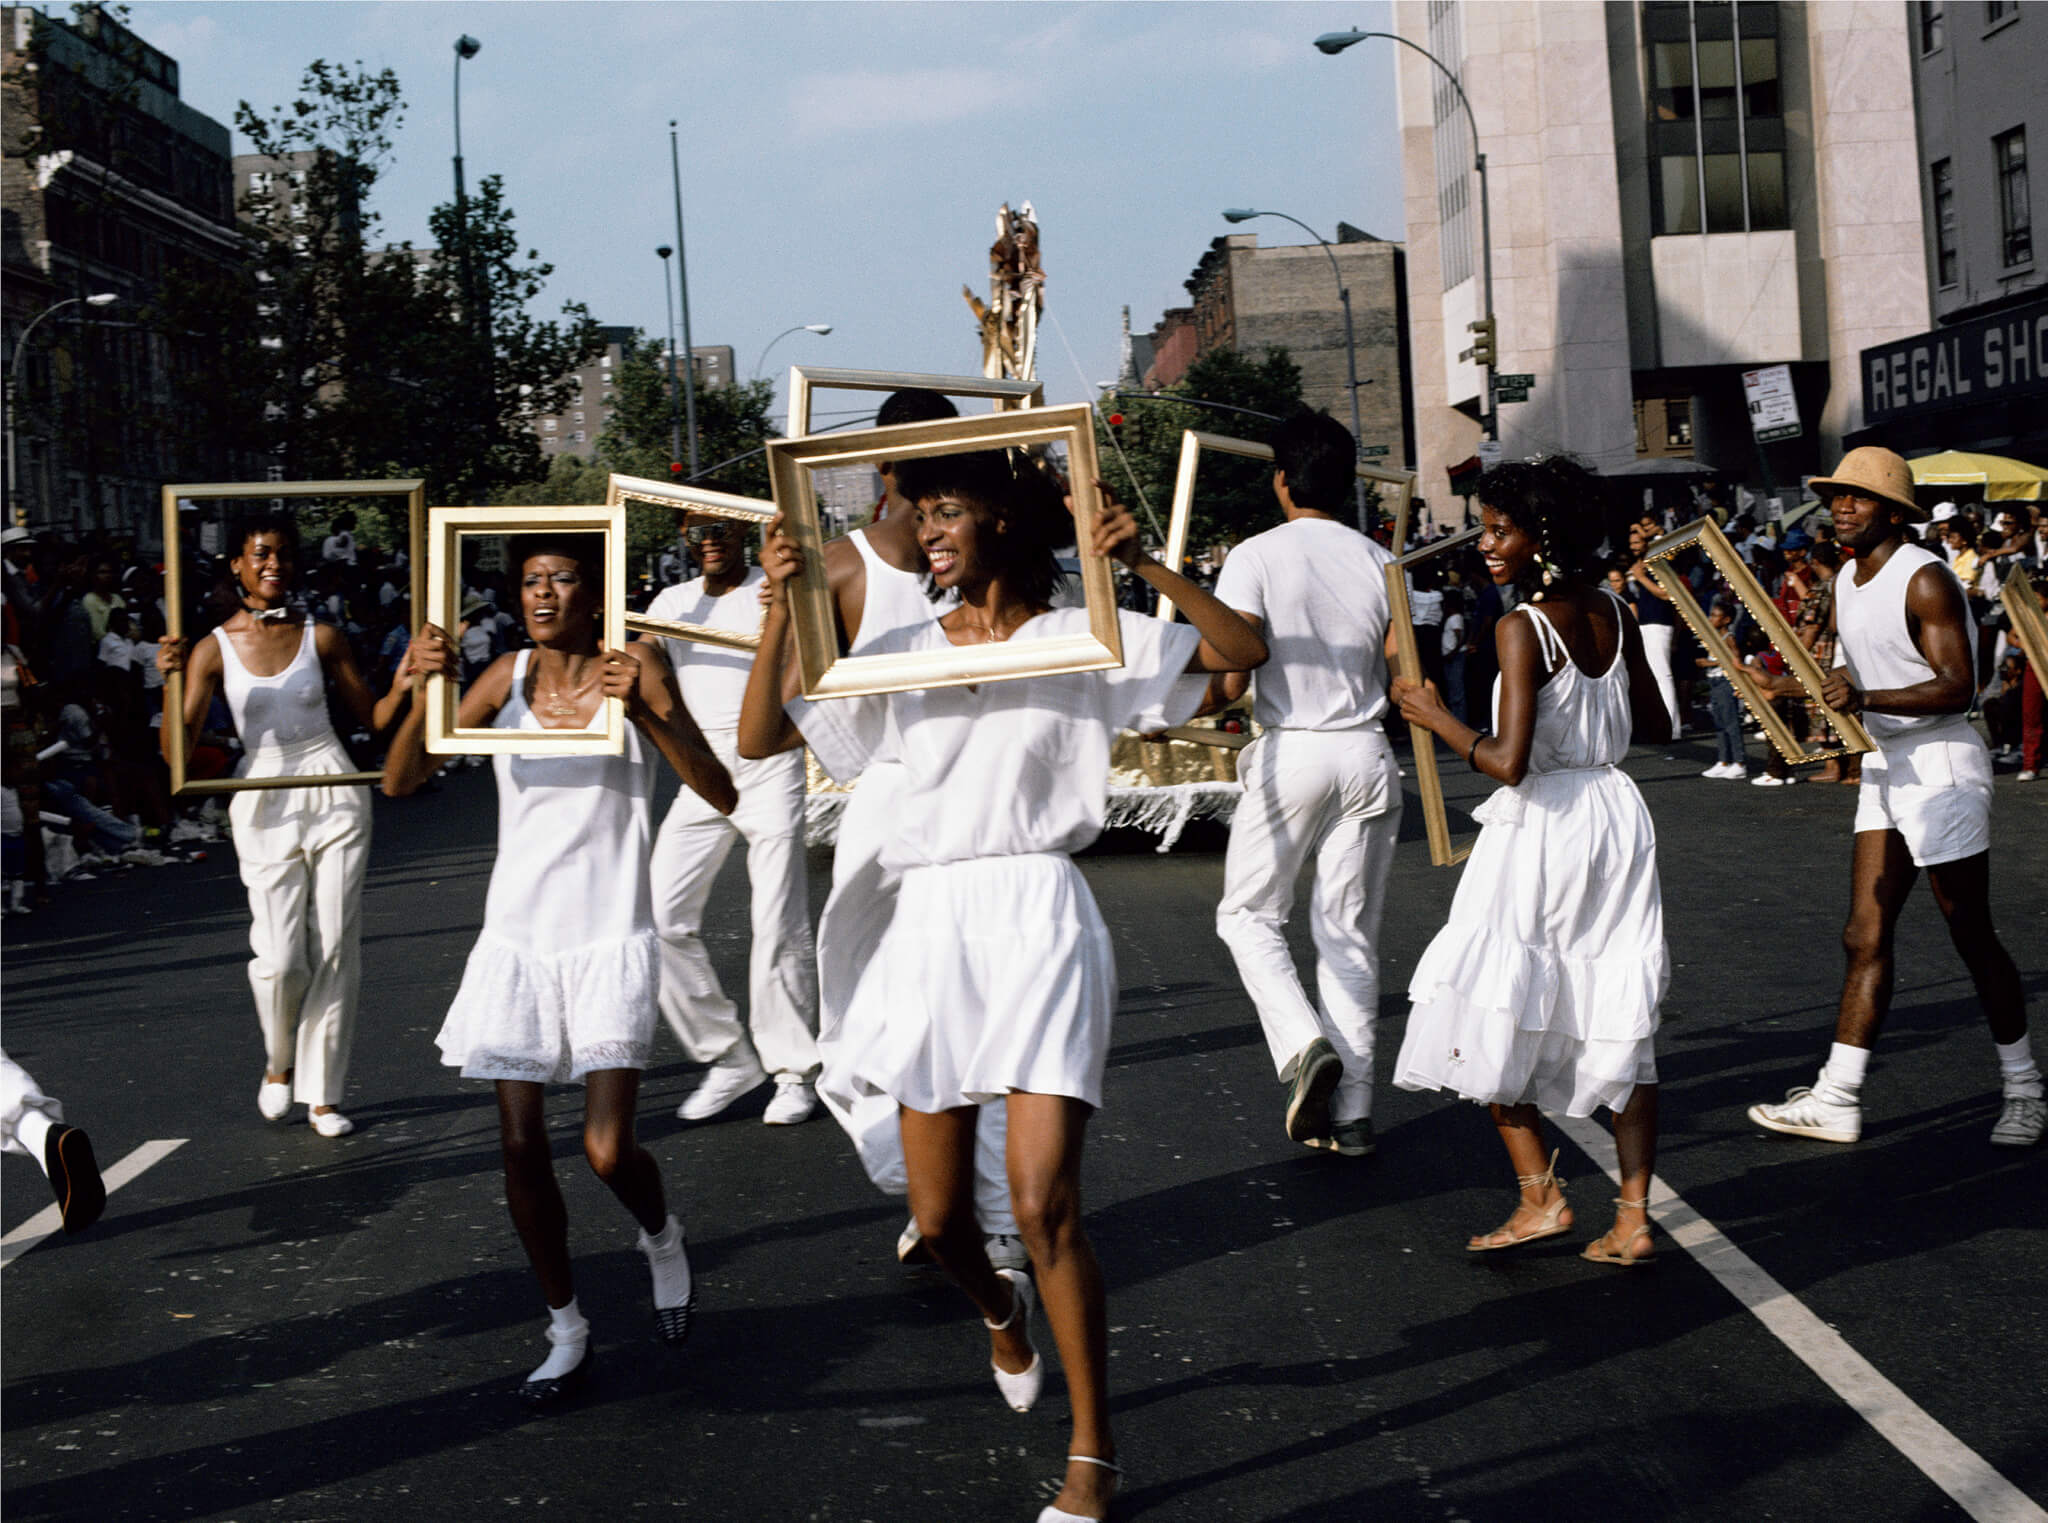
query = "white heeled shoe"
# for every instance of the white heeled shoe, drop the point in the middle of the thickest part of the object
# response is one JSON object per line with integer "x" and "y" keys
{"x": 1051, "y": 1514}
{"x": 1021, "y": 1389}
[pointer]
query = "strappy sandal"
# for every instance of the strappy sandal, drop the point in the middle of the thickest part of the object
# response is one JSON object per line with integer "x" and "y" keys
{"x": 1598, "y": 1254}
{"x": 1052, "y": 1514}
{"x": 1551, "y": 1224}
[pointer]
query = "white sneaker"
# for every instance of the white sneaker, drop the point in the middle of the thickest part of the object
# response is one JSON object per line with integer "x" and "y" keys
{"x": 1007, "y": 1252}
{"x": 1765, "y": 780}
{"x": 910, "y": 1248}
{"x": 1719, "y": 769}
{"x": 273, "y": 1100}
{"x": 795, "y": 1102}
{"x": 330, "y": 1123}
{"x": 2025, "y": 777}
{"x": 1802, "y": 1113}
{"x": 2021, "y": 1123}
{"x": 724, "y": 1082}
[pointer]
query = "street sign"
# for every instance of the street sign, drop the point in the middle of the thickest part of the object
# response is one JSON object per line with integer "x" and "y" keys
{"x": 1374, "y": 452}
{"x": 1507, "y": 382}
{"x": 1511, "y": 393}
{"x": 1773, "y": 409}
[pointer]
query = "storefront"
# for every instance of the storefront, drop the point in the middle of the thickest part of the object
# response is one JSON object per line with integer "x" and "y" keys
{"x": 1980, "y": 385}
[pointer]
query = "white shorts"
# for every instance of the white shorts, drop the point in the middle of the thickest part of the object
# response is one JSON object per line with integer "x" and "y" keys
{"x": 1939, "y": 800}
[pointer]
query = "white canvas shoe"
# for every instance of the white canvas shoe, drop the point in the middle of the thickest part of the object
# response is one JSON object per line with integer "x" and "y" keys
{"x": 273, "y": 1100}
{"x": 724, "y": 1082}
{"x": 1802, "y": 1113}
{"x": 795, "y": 1102}
{"x": 2020, "y": 1123}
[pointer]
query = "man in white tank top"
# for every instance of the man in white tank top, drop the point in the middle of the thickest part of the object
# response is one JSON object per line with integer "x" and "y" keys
{"x": 877, "y": 578}
{"x": 691, "y": 846}
{"x": 302, "y": 852}
{"x": 1904, "y": 661}
{"x": 1320, "y": 785}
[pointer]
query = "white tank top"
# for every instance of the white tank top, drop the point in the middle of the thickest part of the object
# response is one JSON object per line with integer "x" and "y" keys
{"x": 894, "y": 599}
{"x": 1581, "y": 721}
{"x": 281, "y": 713}
{"x": 1877, "y": 647}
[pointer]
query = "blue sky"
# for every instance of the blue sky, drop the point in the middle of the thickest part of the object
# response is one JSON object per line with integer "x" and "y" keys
{"x": 842, "y": 163}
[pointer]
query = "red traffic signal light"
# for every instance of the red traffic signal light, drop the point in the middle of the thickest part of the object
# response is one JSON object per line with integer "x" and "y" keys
{"x": 675, "y": 468}
{"x": 1116, "y": 420}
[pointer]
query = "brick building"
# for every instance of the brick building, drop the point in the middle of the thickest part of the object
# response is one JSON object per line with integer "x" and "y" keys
{"x": 576, "y": 429}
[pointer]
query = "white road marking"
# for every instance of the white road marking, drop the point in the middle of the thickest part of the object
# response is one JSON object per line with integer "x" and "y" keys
{"x": 1944, "y": 1459}
{"x": 49, "y": 1221}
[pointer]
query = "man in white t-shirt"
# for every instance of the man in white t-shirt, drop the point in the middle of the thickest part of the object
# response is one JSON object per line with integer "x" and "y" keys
{"x": 779, "y": 1036}
{"x": 1321, "y": 785}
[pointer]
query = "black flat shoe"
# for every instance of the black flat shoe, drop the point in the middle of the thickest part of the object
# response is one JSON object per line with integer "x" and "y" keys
{"x": 547, "y": 1395}
{"x": 74, "y": 1177}
{"x": 674, "y": 1321}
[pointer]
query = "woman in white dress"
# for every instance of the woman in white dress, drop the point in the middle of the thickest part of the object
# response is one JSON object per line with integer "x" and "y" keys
{"x": 562, "y": 984}
{"x": 996, "y": 978}
{"x": 1542, "y": 989}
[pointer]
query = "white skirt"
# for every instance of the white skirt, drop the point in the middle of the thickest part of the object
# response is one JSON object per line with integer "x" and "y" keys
{"x": 1543, "y": 986}
{"x": 552, "y": 1019}
{"x": 995, "y": 975}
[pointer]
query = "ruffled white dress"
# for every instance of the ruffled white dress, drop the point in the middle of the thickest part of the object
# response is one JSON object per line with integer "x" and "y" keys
{"x": 1544, "y": 985}
{"x": 567, "y": 973}
{"x": 996, "y": 972}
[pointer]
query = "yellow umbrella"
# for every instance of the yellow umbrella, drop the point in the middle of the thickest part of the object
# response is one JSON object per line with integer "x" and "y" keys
{"x": 2001, "y": 478}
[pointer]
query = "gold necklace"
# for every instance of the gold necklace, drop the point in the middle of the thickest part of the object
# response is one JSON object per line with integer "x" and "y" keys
{"x": 556, "y": 704}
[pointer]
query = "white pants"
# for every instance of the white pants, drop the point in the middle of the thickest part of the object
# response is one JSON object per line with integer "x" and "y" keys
{"x": 1657, "y": 651}
{"x": 18, "y": 1096}
{"x": 782, "y": 976}
{"x": 303, "y": 853}
{"x": 1333, "y": 796}
{"x": 862, "y": 904}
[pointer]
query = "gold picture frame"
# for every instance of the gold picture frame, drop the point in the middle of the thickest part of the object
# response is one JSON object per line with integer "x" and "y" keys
{"x": 828, "y": 674}
{"x": 1707, "y": 535}
{"x": 1194, "y": 443}
{"x": 804, "y": 380}
{"x": 414, "y": 491}
{"x": 1429, "y": 783}
{"x": 624, "y": 490}
{"x": 446, "y": 529}
{"x": 2027, "y": 618}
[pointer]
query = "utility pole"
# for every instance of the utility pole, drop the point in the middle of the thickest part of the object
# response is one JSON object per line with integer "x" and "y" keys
{"x": 683, "y": 284}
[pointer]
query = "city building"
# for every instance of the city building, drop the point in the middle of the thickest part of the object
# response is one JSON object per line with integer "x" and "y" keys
{"x": 110, "y": 186}
{"x": 1681, "y": 192}
{"x": 579, "y": 425}
{"x": 1978, "y": 379}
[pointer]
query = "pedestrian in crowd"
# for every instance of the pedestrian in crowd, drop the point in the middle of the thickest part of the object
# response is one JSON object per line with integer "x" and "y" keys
{"x": 1542, "y": 990}
{"x": 778, "y": 1039}
{"x": 1453, "y": 644}
{"x": 1321, "y": 785}
{"x": 1724, "y": 703}
{"x": 1904, "y": 664}
{"x": 563, "y": 983}
{"x": 1656, "y": 620}
{"x": 996, "y": 977}
{"x": 32, "y": 1124}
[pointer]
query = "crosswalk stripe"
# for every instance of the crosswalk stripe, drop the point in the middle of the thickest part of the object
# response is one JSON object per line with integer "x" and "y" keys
{"x": 49, "y": 1221}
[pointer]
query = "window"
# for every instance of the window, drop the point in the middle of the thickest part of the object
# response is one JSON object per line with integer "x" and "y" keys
{"x": 547, "y": 425}
{"x": 1933, "y": 27}
{"x": 2010, "y": 151}
{"x": 1452, "y": 145}
{"x": 1996, "y": 11}
{"x": 1942, "y": 175}
{"x": 1678, "y": 423}
{"x": 1717, "y": 128}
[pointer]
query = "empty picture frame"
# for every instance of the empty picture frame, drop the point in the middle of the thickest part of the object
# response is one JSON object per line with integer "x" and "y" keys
{"x": 624, "y": 491}
{"x": 828, "y": 674}
{"x": 448, "y": 529}
{"x": 806, "y": 380}
{"x": 1429, "y": 783}
{"x": 1713, "y": 544}
{"x": 1192, "y": 446}
{"x": 415, "y": 493}
{"x": 2028, "y": 620}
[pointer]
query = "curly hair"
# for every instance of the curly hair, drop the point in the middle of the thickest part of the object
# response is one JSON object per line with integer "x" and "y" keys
{"x": 1022, "y": 492}
{"x": 1557, "y": 502}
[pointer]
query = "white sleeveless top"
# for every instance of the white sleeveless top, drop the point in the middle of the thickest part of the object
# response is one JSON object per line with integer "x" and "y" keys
{"x": 894, "y": 599}
{"x": 1581, "y": 721}
{"x": 1875, "y": 644}
{"x": 280, "y": 714}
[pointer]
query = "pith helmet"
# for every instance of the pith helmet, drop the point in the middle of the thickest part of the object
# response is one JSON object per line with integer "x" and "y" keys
{"x": 1873, "y": 471}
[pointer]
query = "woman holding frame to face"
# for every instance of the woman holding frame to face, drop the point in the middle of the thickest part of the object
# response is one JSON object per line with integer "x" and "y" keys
{"x": 563, "y": 982}
{"x": 1543, "y": 988}
{"x": 995, "y": 978}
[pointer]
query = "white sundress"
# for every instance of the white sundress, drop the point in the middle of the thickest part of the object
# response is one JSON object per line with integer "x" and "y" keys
{"x": 1543, "y": 986}
{"x": 566, "y": 974}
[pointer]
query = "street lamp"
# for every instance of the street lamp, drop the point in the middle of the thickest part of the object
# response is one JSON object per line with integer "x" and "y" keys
{"x": 675, "y": 169}
{"x": 675, "y": 415}
{"x": 1241, "y": 214}
{"x": 821, "y": 329}
{"x": 1334, "y": 43}
{"x": 97, "y": 299}
{"x": 475, "y": 310}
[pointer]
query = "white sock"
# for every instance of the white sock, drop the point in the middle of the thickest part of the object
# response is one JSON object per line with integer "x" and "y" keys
{"x": 33, "y": 1129}
{"x": 668, "y": 1264}
{"x": 2016, "y": 1066}
{"x": 570, "y": 1335}
{"x": 1841, "y": 1077}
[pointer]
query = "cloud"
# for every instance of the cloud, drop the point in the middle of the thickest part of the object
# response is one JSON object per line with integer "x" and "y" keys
{"x": 872, "y": 100}
{"x": 190, "y": 42}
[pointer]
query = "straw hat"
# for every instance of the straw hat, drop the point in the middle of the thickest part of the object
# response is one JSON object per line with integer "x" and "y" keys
{"x": 1873, "y": 471}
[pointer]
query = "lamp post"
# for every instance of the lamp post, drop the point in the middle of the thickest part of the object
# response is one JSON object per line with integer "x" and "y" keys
{"x": 475, "y": 309}
{"x": 820, "y": 329}
{"x": 683, "y": 285}
{"x": 1241, "y": 214}
{"x": 675, "y": 416}
{"x": 1334, "y": 43}
{"x": 97, "y": 299}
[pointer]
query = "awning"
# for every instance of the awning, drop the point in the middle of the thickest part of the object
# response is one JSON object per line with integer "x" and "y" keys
{"x": 2002, "y": 479}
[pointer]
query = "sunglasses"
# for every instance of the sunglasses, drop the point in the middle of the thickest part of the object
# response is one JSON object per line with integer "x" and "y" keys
{"x": 696, "y": 534}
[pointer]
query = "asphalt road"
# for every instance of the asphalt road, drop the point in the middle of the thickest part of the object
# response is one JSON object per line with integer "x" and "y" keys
{"x": 270, "y": 1326}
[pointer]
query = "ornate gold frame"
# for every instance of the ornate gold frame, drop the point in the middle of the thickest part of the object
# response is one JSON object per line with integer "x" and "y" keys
{"x": 1429, "y": 783}
{"x": 688, "y": 499}
{"x": 828, "y": 674}
{"x": 2028, "y": 620}
{"x": 446, "y": 528}
{"x": 1009, "y": 396}
{"x": 1799, "y": 661}
{"x": 1193, "y": 443}
{"x": 414, "y": 491}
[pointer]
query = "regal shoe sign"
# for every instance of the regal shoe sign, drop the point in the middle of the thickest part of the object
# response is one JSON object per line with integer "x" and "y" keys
{"x": 1991, "y": 359}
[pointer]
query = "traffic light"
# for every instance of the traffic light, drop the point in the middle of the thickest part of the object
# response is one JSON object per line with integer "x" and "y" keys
{"x": 675, "y": 468}
{"x": 1484, "y": 351}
